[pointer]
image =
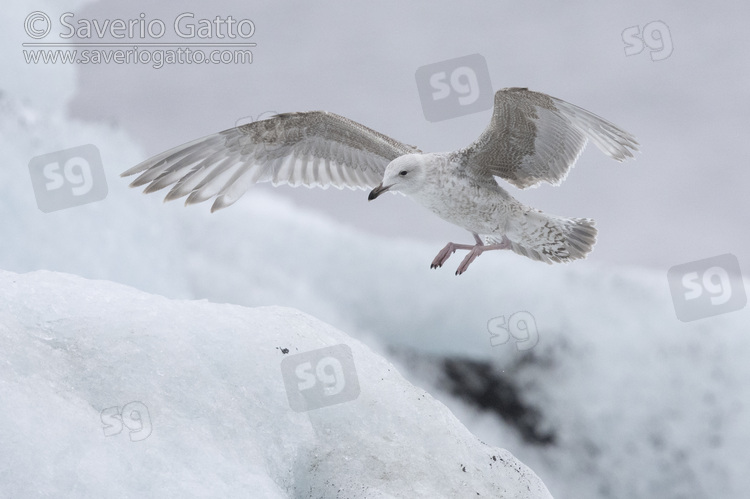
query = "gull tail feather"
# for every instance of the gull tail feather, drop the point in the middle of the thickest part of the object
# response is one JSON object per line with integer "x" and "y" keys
{"x": 551, "y": 239}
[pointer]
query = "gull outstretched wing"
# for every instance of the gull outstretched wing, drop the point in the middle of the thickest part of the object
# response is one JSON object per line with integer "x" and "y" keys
{"x": 314, "y": 149}
{"x": 534, "y": 138}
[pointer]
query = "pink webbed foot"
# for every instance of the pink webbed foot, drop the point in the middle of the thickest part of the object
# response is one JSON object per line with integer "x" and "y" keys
{"x": 474, "y": 251}
{"x": 446, "y": 252}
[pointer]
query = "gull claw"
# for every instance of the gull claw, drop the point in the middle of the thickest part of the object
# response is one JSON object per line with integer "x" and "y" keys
{"x": 474, "y": 251}
{"x": 473, "y": 254}
{"x": 443, "y": 256}
{"x": 446, "y": 252}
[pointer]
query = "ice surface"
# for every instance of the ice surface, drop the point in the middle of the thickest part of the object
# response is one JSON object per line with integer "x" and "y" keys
{"x": 213, "y": 418}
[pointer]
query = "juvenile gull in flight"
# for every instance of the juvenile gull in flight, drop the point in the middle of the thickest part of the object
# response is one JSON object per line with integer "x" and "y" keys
{"x": 532, "y": 138}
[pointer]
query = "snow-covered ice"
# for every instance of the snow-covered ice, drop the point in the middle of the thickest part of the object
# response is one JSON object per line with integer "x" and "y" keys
{"x": 213, "y": 419}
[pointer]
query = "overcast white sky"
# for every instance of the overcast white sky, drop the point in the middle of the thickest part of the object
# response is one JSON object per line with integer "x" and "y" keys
{"x": 684, "y": 198}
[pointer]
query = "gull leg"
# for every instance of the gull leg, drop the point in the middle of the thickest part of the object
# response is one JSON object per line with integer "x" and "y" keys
{"x": 477, "y": 250}
{"x": 446, "y": 252}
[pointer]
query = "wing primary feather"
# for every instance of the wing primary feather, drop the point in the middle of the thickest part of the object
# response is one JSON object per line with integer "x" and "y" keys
{"x": 315, "y": 149}
{"x": 533, "y": 138}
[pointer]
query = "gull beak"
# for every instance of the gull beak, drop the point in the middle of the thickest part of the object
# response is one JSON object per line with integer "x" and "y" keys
{"x": 377, "y": 192}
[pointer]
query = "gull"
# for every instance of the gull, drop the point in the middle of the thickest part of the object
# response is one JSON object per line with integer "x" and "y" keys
{"x": 532, "y": 138}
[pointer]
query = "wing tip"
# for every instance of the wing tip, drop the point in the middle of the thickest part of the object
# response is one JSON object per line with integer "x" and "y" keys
{"x": 153, "y": 187}
{"x": 222, "y": 202}
{"x": 172, "y": 195}
{"x": 194, "y": 198}
{"x": 132, "y": 171}
{"x": 218, "y": 205}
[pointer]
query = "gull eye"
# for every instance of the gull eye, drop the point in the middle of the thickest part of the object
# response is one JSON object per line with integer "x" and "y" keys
{"x": 403, "y": 172}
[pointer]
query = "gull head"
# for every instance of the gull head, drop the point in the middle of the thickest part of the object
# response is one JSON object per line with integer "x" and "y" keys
{"x": 404, "y": 174}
